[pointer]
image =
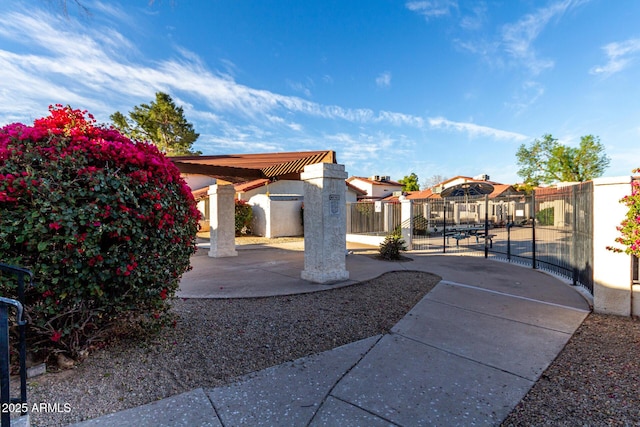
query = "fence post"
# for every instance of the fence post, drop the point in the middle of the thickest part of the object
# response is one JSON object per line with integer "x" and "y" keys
{"x": 533, "y": 229}
{"x": 486, "y": 225}
{"x": 444, "y": 225}
{"x": 406, "y": 221}
{"x": 574, "y": 240}
{"x": 5, "y": 396}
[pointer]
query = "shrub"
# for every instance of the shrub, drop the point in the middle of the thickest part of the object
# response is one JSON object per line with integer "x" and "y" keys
{"x": 106, "y": 224}
{"x": 244, "y": 215}
{"x": 545, "y": 216}
{"x": 391, "y": 247}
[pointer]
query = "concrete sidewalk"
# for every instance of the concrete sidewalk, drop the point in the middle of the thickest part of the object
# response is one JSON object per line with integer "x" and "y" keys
{"x": 466, "y": 354}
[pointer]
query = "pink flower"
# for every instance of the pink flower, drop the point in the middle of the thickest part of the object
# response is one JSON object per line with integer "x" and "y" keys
{"x": 55, "y": 226}
{"x": 55, "y": 337}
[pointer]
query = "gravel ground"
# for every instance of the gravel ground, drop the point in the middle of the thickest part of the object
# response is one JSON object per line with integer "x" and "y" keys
{"x": 593, "y": 382}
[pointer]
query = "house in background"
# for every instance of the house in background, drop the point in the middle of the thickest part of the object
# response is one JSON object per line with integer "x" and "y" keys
{"x": 500, "y": 211}
{"x": 434, "y": 192}
{"x": 376, "y": 187}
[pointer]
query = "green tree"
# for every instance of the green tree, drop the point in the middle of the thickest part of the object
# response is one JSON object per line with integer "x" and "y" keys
{"x": 547, "y": 161}
{"x": 162, "y": 123}
{"x": 410, "y": 183}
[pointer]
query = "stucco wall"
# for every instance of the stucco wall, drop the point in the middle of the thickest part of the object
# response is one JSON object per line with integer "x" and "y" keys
{"x": 277, "y": 215}
{"x": 278, "y": 187}
{"x": 260, "y": 205}
{"x": 196, "y": 181}
{"x": 285, "y": 216}
{"x": 611, "y": 271}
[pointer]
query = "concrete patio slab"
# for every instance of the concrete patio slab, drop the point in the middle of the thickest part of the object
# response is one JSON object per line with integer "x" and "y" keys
{"x": 288, "y": 394}
{"x": 526, "y": 310}
{"x": 336, "y": 412}
{"x": 512, "y": 279}
{"x": 522, "y": 349}
{"x": 189, "y": 409}
{"x": 414, "y": 384}
{"x": 254, "y": 273}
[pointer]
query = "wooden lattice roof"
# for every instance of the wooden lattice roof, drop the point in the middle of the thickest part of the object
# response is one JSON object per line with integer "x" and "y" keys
{"x": 246, "y": 167}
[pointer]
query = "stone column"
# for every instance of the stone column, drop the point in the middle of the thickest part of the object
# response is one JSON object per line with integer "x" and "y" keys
{"x": 222, "y": 221}
{"x": 325, "y": 223}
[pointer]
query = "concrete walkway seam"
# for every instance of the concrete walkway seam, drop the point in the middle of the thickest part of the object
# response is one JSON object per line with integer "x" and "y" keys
{"x": 324, "y": 399}
{"x": 447, "y": 282}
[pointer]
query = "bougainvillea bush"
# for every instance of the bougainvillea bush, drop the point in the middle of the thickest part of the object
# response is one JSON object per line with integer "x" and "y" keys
{"x": 244, "y": 216}
{"x": 106, "y": 224}
{"x": 630, "y": 227}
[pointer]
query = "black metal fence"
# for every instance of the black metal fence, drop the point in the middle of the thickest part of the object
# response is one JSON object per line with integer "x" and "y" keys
{"x": 551, "y": 229}
{"x": 19, "y": 278}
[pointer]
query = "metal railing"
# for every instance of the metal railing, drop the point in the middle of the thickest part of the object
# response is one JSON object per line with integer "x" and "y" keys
{"x": 550, "y": 230}
{"x": 6, "y": 304}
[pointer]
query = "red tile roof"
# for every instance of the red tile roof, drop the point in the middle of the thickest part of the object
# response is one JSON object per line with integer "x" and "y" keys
{"x": 356, "y": 189}
{"x": 371, "y": 181}
{"x": 251, "y": 185}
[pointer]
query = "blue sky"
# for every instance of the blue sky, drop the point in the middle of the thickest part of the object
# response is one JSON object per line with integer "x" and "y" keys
{"x": 436, "y": 87}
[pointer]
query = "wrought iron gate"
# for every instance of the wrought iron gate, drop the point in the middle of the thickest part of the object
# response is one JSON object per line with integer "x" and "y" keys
{"x": 551, "y": 229}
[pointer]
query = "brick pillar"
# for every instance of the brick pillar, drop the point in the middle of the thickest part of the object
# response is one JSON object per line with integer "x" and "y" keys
{"x": 325, "y": 223}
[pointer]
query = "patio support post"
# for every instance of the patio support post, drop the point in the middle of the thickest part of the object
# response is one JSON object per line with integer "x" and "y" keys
{"x": 325, "y": 223}
{"x": 406, "y": 222}
{"x": 222, "y": 221}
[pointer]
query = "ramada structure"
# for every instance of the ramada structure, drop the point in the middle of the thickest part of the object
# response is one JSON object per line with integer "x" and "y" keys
{"x": 324, "y": 192}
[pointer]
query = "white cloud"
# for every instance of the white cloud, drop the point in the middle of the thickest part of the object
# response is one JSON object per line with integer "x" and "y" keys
{"x": 327, "y": 79}
{"x": 518, "y": 38}
{"x": 87, "y": 74}
{"x": 302, "y": 88}
{"x": 69, "y": 65}
{"x": 400, "y": 119}
{"x": 475, "y": 20}
{"x": 431, "y": 8}
{"x": 474, "y": 130}
{"x": 619, "y": 55}
{"x": 384, "y": 79}
{"x": 529, "y": 93}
